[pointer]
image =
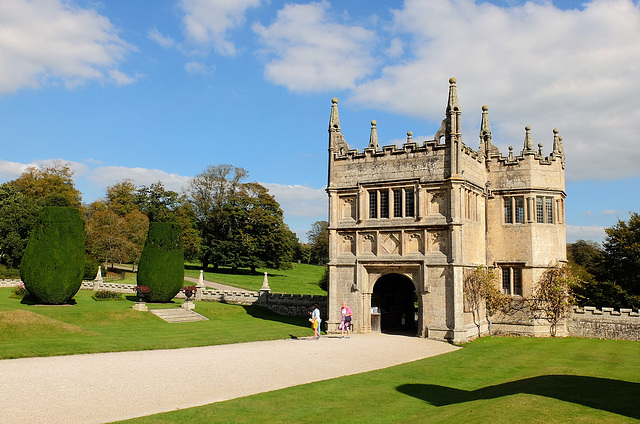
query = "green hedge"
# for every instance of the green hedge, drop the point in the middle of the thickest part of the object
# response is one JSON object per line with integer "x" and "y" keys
{"x": 161, "y": 266}
{"x": 53, "y": 261}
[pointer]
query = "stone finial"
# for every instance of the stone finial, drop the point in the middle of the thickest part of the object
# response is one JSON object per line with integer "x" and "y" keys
{"x": 511, "y": 158}
{"x": 558, "y": 149}
{"x": 334, "y": 120}
{"x": 337, "y": 142}
{"x": 97, "y": 282}
{"x": 409, "y": 136}
{"x": 265, "y": 284}
{"x": 540, "y": 152}
{"x": 373, "y": 138}
{"x": 452, "y": 103}
{"x": 201, "y": 280}
{"x": 528, "y": 141}
{"x": 485, "y": 131}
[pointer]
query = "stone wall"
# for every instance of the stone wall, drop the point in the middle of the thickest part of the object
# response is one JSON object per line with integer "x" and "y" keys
{"x": 292, "y": 305}
{"x": 604, "y": 324}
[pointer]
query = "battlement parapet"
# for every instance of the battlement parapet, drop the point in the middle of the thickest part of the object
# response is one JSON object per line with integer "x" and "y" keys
{"x": 604, "y": 323}
{"x": 392, "y": 150}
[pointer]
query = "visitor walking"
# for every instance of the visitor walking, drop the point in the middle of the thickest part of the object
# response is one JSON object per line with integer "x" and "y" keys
{"x": 345, "y": 319}
{"x": 315, "y": 321}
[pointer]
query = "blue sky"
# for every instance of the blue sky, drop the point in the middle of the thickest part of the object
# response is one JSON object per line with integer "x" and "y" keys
{"x": 160, "y": 90}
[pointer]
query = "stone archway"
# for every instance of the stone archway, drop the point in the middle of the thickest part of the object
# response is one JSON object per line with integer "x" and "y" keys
{"x": 394, "y": 296}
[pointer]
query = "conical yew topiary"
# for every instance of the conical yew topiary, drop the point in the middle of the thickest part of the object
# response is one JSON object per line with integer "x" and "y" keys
{"x": 53, "y": 262}
{"x": 161, "y": 266}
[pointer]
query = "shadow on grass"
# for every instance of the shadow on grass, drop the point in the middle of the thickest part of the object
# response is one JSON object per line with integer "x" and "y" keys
{"x": 264, "y": 313}
{"x": 133, "y": 298}
{"x": 30, "y": 300}
{"x": 619, "y": 397}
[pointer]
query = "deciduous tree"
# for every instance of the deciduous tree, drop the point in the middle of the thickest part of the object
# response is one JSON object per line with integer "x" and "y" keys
{"x": 319, "y": 241}
{"x": 56, "y": 179}
{"x": 622, "y": 256}
{"x": 480, "y": 288}
{"x": 552, "y": 296}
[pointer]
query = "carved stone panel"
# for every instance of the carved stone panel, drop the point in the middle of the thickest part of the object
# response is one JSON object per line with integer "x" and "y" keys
{"x": 390, "y": 243}
{"x": 438, "y": 203}
{"x": 415, "y": 242}
{"x": 347, "y": 243}
{"x": 438, "y": 242}
{"x": 368, "y": 243}
{"x": 348, "y": 207}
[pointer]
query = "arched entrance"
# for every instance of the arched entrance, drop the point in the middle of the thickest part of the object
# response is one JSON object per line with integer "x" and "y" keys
{"x": 394, "y": 296}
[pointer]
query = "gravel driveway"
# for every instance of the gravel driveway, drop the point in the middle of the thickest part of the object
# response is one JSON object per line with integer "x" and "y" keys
{"x": 106, "y": 387}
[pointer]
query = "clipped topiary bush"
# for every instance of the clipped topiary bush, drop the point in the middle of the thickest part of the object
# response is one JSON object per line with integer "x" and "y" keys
{"x": 161, "y": 266}
{"x": 53, "y": 261}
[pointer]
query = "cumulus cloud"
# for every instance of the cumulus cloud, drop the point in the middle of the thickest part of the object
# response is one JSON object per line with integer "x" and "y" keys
{"x": 106, "y": 176}
{"x": 299, "y": 200}
{"x": 209, "y": 21}
{"x": 12, "y": 170}
{"x": 588, "y": 232}
{"x": 533, "y": 64}
{"x": 309, "y": 50}
{"x": 46, "y": 41}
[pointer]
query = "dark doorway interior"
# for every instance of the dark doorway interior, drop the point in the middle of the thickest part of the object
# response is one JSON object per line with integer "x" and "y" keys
{"x": 395, "y": 297}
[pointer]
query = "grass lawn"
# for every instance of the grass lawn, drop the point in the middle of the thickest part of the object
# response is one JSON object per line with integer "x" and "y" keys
{"x": 108, "y": 326}
{"x": 491, "y": 380}
{"x": 301, "y": 279}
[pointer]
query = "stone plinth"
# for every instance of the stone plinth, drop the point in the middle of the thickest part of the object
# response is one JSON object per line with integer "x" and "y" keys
{"x": 188, "y": 304}
{"x": 140, "y": 306}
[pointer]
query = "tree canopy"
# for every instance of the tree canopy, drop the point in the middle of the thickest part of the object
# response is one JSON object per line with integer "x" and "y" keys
{"x": 241, "y": 224}
{"x": 21, "y": 201}
{"x": 622, "y": 256}
{"x": 319, "y": 241}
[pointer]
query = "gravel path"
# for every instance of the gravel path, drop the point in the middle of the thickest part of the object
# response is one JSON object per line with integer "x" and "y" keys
{"x": 105, "y": 387}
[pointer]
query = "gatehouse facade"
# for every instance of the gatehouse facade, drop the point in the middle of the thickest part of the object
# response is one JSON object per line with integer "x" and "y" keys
{"x": 406, "y": 222}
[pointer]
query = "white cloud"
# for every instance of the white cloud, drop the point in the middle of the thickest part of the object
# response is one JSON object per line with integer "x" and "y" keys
{"x": 45, "y": 41}
{"x": 588, "y": 232}
{"x": 396, "y": 48}
{"x": 121, "y": 78}
{"x": 533, "y": 65}
{"x": 299, "y": 200}
{"x": 198, "y": 68}
{"x": 610, "y": 212}
{"x": 162, "y": 40}
{"x": 209, "y": 21}
{"x": 313, "y": 52}
{"x": 12, "y": 170}
{"x": 106, "y": 176}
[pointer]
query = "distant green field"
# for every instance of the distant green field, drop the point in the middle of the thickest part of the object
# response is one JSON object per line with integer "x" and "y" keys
{"x": 90, "y": 326}
{"x": 301, "y": 279}
{"x": 491, "y": 380}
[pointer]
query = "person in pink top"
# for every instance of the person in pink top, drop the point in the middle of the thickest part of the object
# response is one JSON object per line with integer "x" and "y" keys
{"x": 345, "y": 320}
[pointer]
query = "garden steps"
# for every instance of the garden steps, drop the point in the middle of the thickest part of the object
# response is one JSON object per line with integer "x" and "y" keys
{"x": 178, "y": 315}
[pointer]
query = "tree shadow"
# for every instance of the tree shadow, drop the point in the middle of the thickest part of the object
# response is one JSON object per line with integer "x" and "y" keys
{"x": 32, "y": 300}
{"x": 617, "y": 396}
{"x": 263, "y": 313}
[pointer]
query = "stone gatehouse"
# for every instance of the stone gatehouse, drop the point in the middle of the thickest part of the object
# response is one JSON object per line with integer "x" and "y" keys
{"x": 406, "y": 222}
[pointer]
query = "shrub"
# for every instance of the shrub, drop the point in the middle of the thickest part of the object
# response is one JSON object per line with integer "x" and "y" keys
{"x": 107, "y": 295}
{"x": 19, "y": 292}
{"x": 53, "y": 261}
{"x": 161, "y": 266}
